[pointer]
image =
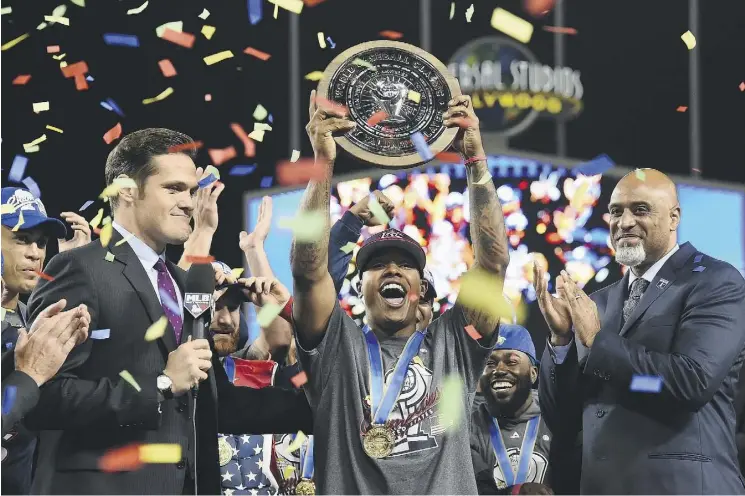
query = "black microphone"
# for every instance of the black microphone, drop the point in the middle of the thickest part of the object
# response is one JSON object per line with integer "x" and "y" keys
{"x": 200, "y": 284}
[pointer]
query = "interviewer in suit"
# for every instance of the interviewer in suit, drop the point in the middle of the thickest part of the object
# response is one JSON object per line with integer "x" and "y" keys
{"x": 126, "y": 287}
{"x": 677, "y": 315}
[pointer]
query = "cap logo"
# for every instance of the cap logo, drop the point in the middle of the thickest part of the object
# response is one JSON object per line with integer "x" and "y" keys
{"x": 501, "y": 340}
{"x": 391, "y": 234}
{"x": 24, "y": 200}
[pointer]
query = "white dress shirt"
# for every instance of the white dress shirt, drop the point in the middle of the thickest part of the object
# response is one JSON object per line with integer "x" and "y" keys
{"x": 148, "y": 258}
{"x": 559, "y": 353}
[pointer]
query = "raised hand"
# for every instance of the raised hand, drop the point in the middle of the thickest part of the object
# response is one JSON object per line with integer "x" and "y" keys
{"x": 584, "y": 312}
{"x": 205, "y": 208}
{"x": 324, "y": 123}
{"x": 263, "y": 290}
{"x": 554, "y": 309}
{"x": 460, "y": 114}
{"x": 257, "y": 237}
{"x": 81, "y": 232}
{"x": 188, "y": 364}
{"x": 361, "y": 209}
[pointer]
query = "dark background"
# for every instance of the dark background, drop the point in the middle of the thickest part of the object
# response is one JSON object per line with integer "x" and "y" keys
{"x": 634, "y": 69}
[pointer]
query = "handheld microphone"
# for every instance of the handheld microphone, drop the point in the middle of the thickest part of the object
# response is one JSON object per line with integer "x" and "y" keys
{"x": 200, "y": 284}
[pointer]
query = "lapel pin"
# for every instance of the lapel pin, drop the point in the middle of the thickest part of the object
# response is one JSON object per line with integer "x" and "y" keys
{"x": 662, "y": 284}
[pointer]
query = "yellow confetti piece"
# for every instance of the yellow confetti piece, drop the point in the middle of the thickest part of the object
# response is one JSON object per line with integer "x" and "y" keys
{"x": 124, "y": 374}
{"x": 59, "y": 57}
{"x": 688, "y": 39}
{"x": 295, "y": 156}
{"x": 56, "y": 129}
{"x": 267, "y": 314}
{"x": 20, "y": 222}
{"x": 125, "y": 182}
{"x": 2, "y": 314}
{"x": 300, "y": 438}
{"x": 163, "y": 95}
{"x": 486, "y": 178}
{"x": 58, "y": 19}
{"x": 177, "y": 26}
{"x": 237, "y": 272}
{"x": 477, "y": 291}
{"x": 348, "y": 248}
{"x": 160, "y": 453}
{"x": 157, "y": 329}
{"x": 321, "y": 41}
{"x": 139, "y": 9}
{"x": 306, "y": 226}
{"x": 211, "y": 169}
{"x": 364, "y": 63}
{"x": 276, "y": 11}
{"x": 63, "y": 64}
{"x": 452, "y": 10}
{"x": 28, "y": 147}
{"x": 109, "y": 191}
{"x": 510, "y": 24}
{"x": 260, "y": 112}
{"x": 105, "y": 234}
{"x": 414, "y": 96}
{"x": 208, "y": 31}
{"x": 204, "y": 15}
{"x": 79, "y": 3}
{"x": 6, "y": 10}
{"x": 262, "y": 126}
{"x": 7, "y": 208}
{"x": 451, "y": 403}
{"x": 256, "y": 135}
{"x": 124, "y": 240}
{"x": 469, "y": 13}
{"x": 377, "y": 210}
{"x": 109, "y": 257}
{"x": 14, "y": 42}
{"x": 640, "y": 175}
{"x": 106, "y": 220}
{"x": 40, "y": 107}
{"x": 294, "y": 6}
{"x": 95, "y": 221}
{"x": 314, "y": 76}
{"x": 287, "y": 471}
{"x": 31, "y": 149}
{"x": 218, "y": 57}
{"x": 579, "y": 194}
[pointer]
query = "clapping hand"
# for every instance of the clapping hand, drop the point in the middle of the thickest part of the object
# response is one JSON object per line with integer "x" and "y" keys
{"x": 584, "y": 312}
{"x": 555, "y": 309}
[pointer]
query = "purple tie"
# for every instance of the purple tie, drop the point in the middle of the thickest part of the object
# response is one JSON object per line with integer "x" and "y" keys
{"x": 168, "y": 294}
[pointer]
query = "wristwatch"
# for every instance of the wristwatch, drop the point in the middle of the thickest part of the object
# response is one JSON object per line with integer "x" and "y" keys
{"x": 164, "y": 384}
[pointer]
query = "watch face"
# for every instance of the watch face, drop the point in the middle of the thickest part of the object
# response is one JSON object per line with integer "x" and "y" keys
{"x": 164, "y": 382}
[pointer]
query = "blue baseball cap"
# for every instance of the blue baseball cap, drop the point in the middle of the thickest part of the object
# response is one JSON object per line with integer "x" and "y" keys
{"x": 17, "y": 201}
{"x": 515, "y": 337}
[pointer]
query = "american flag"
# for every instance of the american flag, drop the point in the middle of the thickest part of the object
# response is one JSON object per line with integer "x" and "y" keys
{"x": 248, "y": 471}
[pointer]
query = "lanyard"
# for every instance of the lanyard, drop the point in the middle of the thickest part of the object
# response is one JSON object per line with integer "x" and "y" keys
{"x": 306, "y": 459}
{"x": 383, "y": 399}
{"x": 526, "y": 451}
{"x": 229, "y": 366}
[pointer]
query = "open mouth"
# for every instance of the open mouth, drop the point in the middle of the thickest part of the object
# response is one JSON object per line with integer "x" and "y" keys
{"x": 501, "y": 385}
{"x": 393, "y": 293}
{"x": 224, "y": 332}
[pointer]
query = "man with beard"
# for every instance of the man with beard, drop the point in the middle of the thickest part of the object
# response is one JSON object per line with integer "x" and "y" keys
{"x": 647, "y": 367}
{"x": 508, "y": 426}
{"x": 373, "y": 391}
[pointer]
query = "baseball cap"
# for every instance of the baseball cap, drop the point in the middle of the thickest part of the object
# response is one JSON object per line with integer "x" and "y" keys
{"x": 431, "y": 294}
{"x": 233, "y": 290}
{"x": 515, "y": 337}
{"x": 17, "y": 201}
{"x": 390, "y": 238}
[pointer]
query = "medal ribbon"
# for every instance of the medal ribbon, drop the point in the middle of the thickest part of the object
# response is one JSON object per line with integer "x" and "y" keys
{"x": 526, "y": 451}
{"x": 383, "y": 399}
{"x": 306, "y": 460}
{"x": 229, "y": 366}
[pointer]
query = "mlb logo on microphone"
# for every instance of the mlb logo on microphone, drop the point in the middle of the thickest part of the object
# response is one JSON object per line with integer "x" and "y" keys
{"x": 197, "y": 303}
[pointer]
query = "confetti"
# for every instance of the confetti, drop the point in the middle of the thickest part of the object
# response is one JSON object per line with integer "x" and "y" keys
{"x": 85, "y": 205}
{"x": 169, "y": 303}
{"x": 579, "y": 195}
{"x": 204, "y": 15}
{"x": 294, "y": 6}
{"x": 414, "y": 96}
{"x": 331, "y": 42}
{"x": 19, "y": 223}
{"x": 646, "y": 384}
{"x": 163, "y": 95}
{"x": 267, "y": 314}
{"x": 179, "y": 38}
{"x": 249, "y": 147}
{"x": 60, "y": 57}
{"x": 105, "y": 234}
{"x": 449, "y": 157}
{"x": 295, "y": 156}
{"x": 53, "y": 49}
{"x": 597, "y": 165}
{"x": 255, "y": 11}
{"x": 17, "y": 169}
{"x": 697, "y": 258}
{"x": 100, "y": 334}
{"x": 124, "y": 459}
{"x": 199, "y": 259}
{"x": 218, "y": 57}
{"x": 56, "y": 129}
{"x": 299, "y": 172}
{"x": 21, "y": 79}
{"x": 469, "y": 13}
{"x": 266, "y": 181}
{"x": 32, "y": 187}
{"x": 391, "y": 35}
{"x": 139, "y": 9}
{"x": 287, "y": 471}
{"x": 511, "y": 25}
{"x": 364, "y": 63}
{"x": 186, "y": 146}
{"x": 166, "y": 67}
{"x": 113, "y": 106}
{"x": 256, "y": 135}
{"x": 681, "y": 108}
{"x": 688, "y": 39}
{"x": 157, "y": 329}
{"x": 208, "y": 31}
{"x": 471, "y": 331}
{"x": 700, "y": 268}
{"x": 79, "y": 3}
{"x": 321, "y": 41}
{"x": 476, "y": 292}
{"x": 640, "y": 175}
{"x": 208, "y": 97}
{"x": 95, "y": 221}
{"x": 314, "y": 76}
{"x": 177, "y": 26}
{"x": 348, "y": 248}
{"x": 77, "y": 71}
{"x": 221, "y": 155}
{"x": 377, "y": 210}
{"x": 421, "y": 146}
{"x": 57, "y": 19}
{"x": 452, "y": 10}
{"x": 260, "y": 112}
{"x": 299, "y": 379}
{"x": 241, "y": 170}
{"x": 113, "y": 134}
{"x": 6, "y": 10}
{"x": 305, "y": 226}
{"x": 237, "y": 272}
{"x": 742, "y": 85}
{"x": 560, "y": 30}
{"x": 9, "y": 397}
{"x": 296, "y": 443}
{"x": 206, "y": 181}
{"x": 210, "y": 169}
{"x": 450, "y": 406}
{"x": 261, "y": 126}
{"x": 44, "y": 276}
{"x": 160, "y": 453}
{"x": 109, "y": 257}
{"x": 14, "y": 42}
{"x": 256, "y": 53}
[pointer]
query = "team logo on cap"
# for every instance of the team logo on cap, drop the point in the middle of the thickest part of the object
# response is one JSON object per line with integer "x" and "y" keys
{"x": 24, "y": 200}
{"x": 392, "y": 234}
{"x": 501, "y": 340}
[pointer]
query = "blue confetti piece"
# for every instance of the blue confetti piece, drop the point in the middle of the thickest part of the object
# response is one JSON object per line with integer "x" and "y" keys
{"x": 18, "y": 169}
{"x": 203, "y": 183}
{"x": 100, "y": 334}
{"x": 266, "y": 181}
{"x": 698, "y": 258}
{"x": 107, "y": 106}
{"x": 116, "y": 39}
{"x": 114, "y": 106}
{"x": 85, "y": 205}
{"x": 9, "y": 397}
{"x": 646, "y": 384}
{"x": 333, "y": 45}
{"x": 242, "y": 170}
{"x": 421, "y": 146}
{"x": 32, "y": 187}
{"x": 255, "y": 11}
{"x": 169, "y": 303}
{"x": 598, "y": 165}
{"x": 8, "y": 345}
{"x": 700, "y": 268}
{"x": 89, "y": 78}
{"x": 271, "y": 119}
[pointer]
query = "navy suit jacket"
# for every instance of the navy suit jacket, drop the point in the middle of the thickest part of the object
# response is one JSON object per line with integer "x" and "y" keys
{"x": 689, "y": 330}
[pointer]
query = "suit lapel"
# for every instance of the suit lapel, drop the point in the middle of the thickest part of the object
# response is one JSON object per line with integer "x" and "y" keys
{"x": 663, "y": 280}
{"x": 612, "y": 316}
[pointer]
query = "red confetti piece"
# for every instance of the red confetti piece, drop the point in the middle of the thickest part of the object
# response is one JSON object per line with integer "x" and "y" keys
{"x": 207, "y": 97}
{"x": 299, "y": 172}
{"x": 200, "y": 259}
{"x": 221, "y": 155}
{"x": 186, "y": 146}
{"x": 97, "y": 231}
{"x": 249, "y": 146}
{"x": 742, "y": 86}
{"x": 53, "y": 49}
{"x": 184, "y": 39}
{"x": 299, "y": 379}
{"x": 449, "y": 157}
{"x": 561, "y": 30}
{"x": 113, "y": 134}
{"x": 21, "y": 79}
{"x": 77, "y": 71}
{"x": 257, "y": 53}
{"x": 473, "y": 332}
{"x": 166, "y": 67}
{"x": 312, "y": 3}
{"x": 376, "y": 118}
{"x": 43, "y": 275}
{"x": 329, "y": 105}
{"x": 682, "y": 108}
{"x": 391, "y": 35}
{"x": 124, "y": 459}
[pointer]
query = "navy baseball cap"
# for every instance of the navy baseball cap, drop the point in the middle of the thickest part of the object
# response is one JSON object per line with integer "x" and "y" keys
{"x": 390, "y": 238}
{"x": 17, "y": 201}
{"x": 431, "y": 294}
{"x": 232, "y": 290}
{"x": 515, "y": 337}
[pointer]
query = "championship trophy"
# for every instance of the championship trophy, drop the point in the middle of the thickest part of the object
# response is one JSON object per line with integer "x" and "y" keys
{"x": 393, "y": 91}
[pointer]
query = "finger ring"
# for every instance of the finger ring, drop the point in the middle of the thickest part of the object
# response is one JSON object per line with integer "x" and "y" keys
{"x": 578, "y": 297}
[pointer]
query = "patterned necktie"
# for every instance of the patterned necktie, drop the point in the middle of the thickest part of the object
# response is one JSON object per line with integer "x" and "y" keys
{"x": 637, "y": 290}
{"x": 168, "y": 294}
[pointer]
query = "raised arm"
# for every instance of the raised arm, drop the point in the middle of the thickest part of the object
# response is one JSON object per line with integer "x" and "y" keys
{"x": 314, "y": 295}
{"x": 488, "y": 233}
{"x": 205, "y": 222}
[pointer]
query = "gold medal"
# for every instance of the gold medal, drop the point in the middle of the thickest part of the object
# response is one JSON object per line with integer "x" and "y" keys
{"x": 224, "y": 451}
{"x": 305, "y": 486}
{"x": 378, "y": 442}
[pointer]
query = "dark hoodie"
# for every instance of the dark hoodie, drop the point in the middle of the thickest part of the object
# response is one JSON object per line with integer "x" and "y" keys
{"x": 489, "y": 478}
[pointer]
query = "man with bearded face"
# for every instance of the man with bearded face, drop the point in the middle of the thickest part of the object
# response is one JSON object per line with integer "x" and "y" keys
{"x": 507, "y": 429}
{"x": 645, "y": 370}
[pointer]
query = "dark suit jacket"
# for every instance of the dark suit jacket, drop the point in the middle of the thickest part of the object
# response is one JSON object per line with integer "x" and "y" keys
{"x": 97, "y": 410}
{"x": 690, "y": 332}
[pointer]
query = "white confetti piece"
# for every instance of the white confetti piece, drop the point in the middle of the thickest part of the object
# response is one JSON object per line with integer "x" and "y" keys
{"x": 451, "y": 403}
{"x": 452, "y": 10}
{"x": 469, "y": 13}
{"x": 510, "y": 24}
{"x": 267, "y": 314}
{"x": 256, "y": 135}
{"x": 260, "y": 112}
{"x": 6, "y": 10}
{"x": 139, "y": 9}
{"x": 57, "y": 19}
{"x": 124, "y": 374}
{"x": 177, "y": 26}
{"x": 205, "y": 14}
{"x": 295, "y": 156}
{"x": 100, "y": 334}
{"x": 294, "y": 6}
{"x": 321, "y": 40}
{"x": 40, "y": 107}
{"x": 688, "y": 39}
